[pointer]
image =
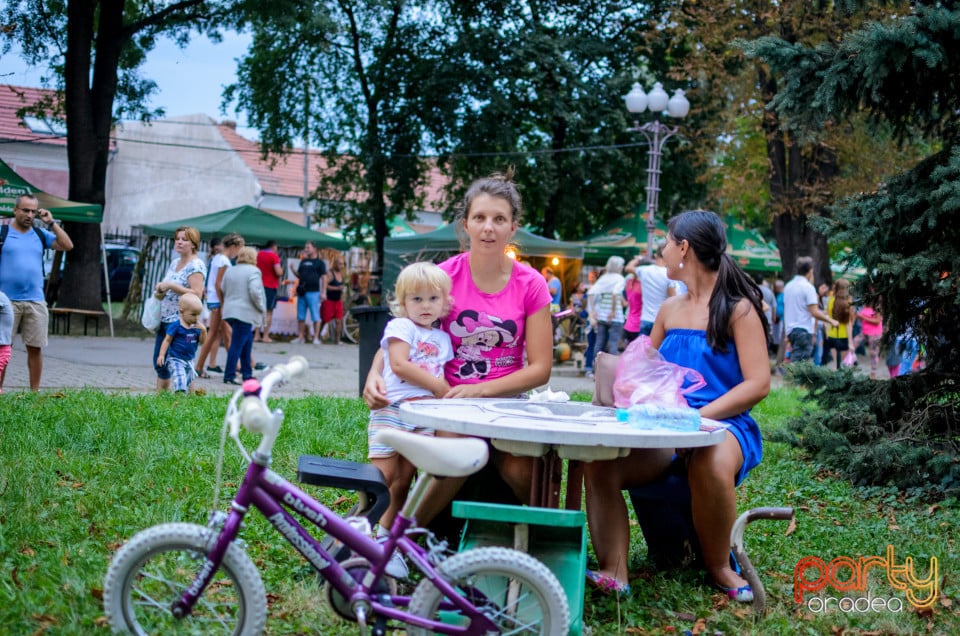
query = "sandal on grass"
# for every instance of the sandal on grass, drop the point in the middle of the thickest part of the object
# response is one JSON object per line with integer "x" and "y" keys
{"x": 739, "y": 594}
{"x": 607, "y": 584}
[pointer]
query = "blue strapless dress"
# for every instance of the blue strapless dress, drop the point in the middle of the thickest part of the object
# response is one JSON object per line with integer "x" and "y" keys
{"x": 721, "y": 371}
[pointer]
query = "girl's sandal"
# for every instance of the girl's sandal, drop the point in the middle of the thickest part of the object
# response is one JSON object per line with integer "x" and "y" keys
{"x": 202, "y": 374}
{"x": 739, "y": 594}
{"x": 607, "y": 584}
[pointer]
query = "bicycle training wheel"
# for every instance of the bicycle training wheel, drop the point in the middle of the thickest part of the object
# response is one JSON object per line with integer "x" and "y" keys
{"x": 152, "y": 570}
{"x": 517, "y": 592}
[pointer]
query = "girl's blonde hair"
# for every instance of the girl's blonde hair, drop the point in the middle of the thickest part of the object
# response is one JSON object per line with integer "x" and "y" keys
{"x": 247, "y": 255}
{"x": 418, "y": 276}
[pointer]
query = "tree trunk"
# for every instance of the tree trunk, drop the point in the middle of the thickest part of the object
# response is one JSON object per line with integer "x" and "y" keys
{"x": 794, "y": 178}
{"x": 89, "y": 111}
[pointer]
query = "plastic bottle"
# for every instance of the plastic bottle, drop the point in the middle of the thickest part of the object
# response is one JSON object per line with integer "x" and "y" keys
{"x": 651, "y": 416}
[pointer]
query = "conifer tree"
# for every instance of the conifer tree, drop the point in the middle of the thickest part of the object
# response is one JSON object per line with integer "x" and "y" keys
{"x": 902, "y": 72}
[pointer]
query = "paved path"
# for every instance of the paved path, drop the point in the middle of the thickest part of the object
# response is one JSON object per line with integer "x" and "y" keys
{"x": 123, "y": 364}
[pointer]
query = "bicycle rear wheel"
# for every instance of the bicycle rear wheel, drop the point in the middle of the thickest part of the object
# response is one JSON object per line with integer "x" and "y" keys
{"x": 152, "y": 570}
{"x": 517, "y": 592}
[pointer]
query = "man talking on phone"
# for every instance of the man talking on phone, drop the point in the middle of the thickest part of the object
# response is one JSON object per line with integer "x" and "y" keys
{"x": 21, "y": 275}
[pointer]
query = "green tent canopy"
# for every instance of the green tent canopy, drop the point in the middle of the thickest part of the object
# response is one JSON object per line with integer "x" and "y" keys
{"x": 625, "y": 237}
{"x": 749, "y": 249}
{"x": 13, "y": 185}
{"x": 396, "y": 226}
{"x": 443, "y": 243}
{"x": 256, "y": 226}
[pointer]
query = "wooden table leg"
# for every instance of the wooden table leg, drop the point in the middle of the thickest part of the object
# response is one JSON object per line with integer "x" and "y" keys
{"x": 546, "y": 481}
{"x": 536, "y": 482}
{"x": 574, "y": 484}
{"x": 554, "y": 479}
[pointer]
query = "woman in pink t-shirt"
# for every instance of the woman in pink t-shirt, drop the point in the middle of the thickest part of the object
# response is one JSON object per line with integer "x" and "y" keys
{"x": 500, "y": 316}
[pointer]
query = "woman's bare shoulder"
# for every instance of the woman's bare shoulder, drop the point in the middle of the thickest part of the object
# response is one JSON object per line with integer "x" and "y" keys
{"x": 672, "y": 305}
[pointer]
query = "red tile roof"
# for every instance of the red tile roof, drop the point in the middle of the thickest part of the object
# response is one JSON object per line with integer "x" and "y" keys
{"x": 286, "y": 176}
{"x": 12, "y": 127}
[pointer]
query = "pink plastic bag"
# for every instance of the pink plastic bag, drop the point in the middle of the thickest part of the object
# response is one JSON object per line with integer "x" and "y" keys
{"x": 849, "y": 359}
{"x": 644, "y": 377}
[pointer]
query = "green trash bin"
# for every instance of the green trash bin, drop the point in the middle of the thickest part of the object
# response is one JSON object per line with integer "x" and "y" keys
{"x": 557, "y": 538}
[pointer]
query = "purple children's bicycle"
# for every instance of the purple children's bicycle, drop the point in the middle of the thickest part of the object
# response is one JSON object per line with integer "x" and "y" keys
{"x": 178, "y": 578}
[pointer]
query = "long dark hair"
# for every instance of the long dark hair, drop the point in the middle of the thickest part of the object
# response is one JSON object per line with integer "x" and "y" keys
{"x": 707, "y": 236}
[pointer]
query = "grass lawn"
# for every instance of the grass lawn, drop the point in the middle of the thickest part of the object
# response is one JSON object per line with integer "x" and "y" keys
{"x": 81, "y": 472}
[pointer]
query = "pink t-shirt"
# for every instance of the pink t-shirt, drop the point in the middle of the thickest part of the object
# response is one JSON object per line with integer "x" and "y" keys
{"x": 634, "y": 292}
{"x": 870, "y": 329}
{"x": 487, "y": 330}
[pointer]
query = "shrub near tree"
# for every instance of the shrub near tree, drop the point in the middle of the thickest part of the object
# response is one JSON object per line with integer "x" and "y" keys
{"x": 903, "y": 73}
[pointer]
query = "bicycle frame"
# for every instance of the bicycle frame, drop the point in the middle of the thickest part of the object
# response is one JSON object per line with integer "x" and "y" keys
{"x": 276, "y": 498}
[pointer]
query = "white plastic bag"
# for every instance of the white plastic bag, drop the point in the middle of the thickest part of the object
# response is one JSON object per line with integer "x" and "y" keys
{"x": 151, "y": 314}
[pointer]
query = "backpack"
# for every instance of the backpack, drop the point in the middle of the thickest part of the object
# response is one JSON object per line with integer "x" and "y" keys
{"x": 4, "y": 229}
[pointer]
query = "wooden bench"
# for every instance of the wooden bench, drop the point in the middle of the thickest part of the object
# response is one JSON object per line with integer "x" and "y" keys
{"x": 60, "y": 319}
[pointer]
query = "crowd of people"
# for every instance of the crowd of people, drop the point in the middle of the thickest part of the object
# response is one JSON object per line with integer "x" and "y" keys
{"x": 826, "y": 326}
{"x": 237, "y": 288}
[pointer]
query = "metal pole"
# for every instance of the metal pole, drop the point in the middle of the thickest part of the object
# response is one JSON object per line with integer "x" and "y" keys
{"x": 657, "y": 134}
{"x": 306, "y": 156}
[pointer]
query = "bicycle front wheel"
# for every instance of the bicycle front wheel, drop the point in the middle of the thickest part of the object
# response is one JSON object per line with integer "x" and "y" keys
{"x": 514, "y": 590}
{"x": 152, "y": 570}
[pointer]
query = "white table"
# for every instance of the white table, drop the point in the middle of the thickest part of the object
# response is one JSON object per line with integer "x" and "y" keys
{"x": 552, "y": 431}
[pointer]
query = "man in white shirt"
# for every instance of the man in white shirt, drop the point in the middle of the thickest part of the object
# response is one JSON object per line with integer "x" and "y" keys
{"x": 801, "y": 309}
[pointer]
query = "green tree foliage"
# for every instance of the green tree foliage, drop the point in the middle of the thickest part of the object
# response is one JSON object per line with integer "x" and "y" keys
{"x": 543, "y": 83}
{"x": 732, "y": 92}
{"x": 363, "y": 81}
{"x": 901, "y": 433}
{"x": 94, "y": 50}
{"x": 536, "y": 85}
{"x": 901, "y": 73}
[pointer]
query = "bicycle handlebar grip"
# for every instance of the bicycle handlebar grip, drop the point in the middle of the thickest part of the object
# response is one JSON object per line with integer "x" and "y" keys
{"x": 254, "y": 415}
{"x": 297, "y": 366}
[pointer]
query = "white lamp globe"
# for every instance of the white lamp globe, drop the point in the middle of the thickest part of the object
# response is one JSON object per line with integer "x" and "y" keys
{"x": 657, "y": 99}
{"x": 678, "y": 106}
{"x": 636, "y": 99}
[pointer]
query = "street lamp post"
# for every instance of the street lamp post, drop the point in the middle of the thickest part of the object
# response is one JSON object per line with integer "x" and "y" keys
{"x": 657, "y": 134}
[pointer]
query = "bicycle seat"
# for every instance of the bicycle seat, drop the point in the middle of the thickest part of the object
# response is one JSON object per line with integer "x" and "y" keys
{"x": 438, "y": 456}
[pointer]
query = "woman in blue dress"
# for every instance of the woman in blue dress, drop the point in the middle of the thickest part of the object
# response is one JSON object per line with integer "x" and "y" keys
{"x": 717, "y": 328}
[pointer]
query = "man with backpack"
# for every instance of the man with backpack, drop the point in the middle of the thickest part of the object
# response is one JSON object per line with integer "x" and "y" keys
{"x": 21, "y": 275}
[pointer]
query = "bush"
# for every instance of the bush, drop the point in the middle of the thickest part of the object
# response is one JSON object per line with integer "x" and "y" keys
{"x": 901, "y": 432}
